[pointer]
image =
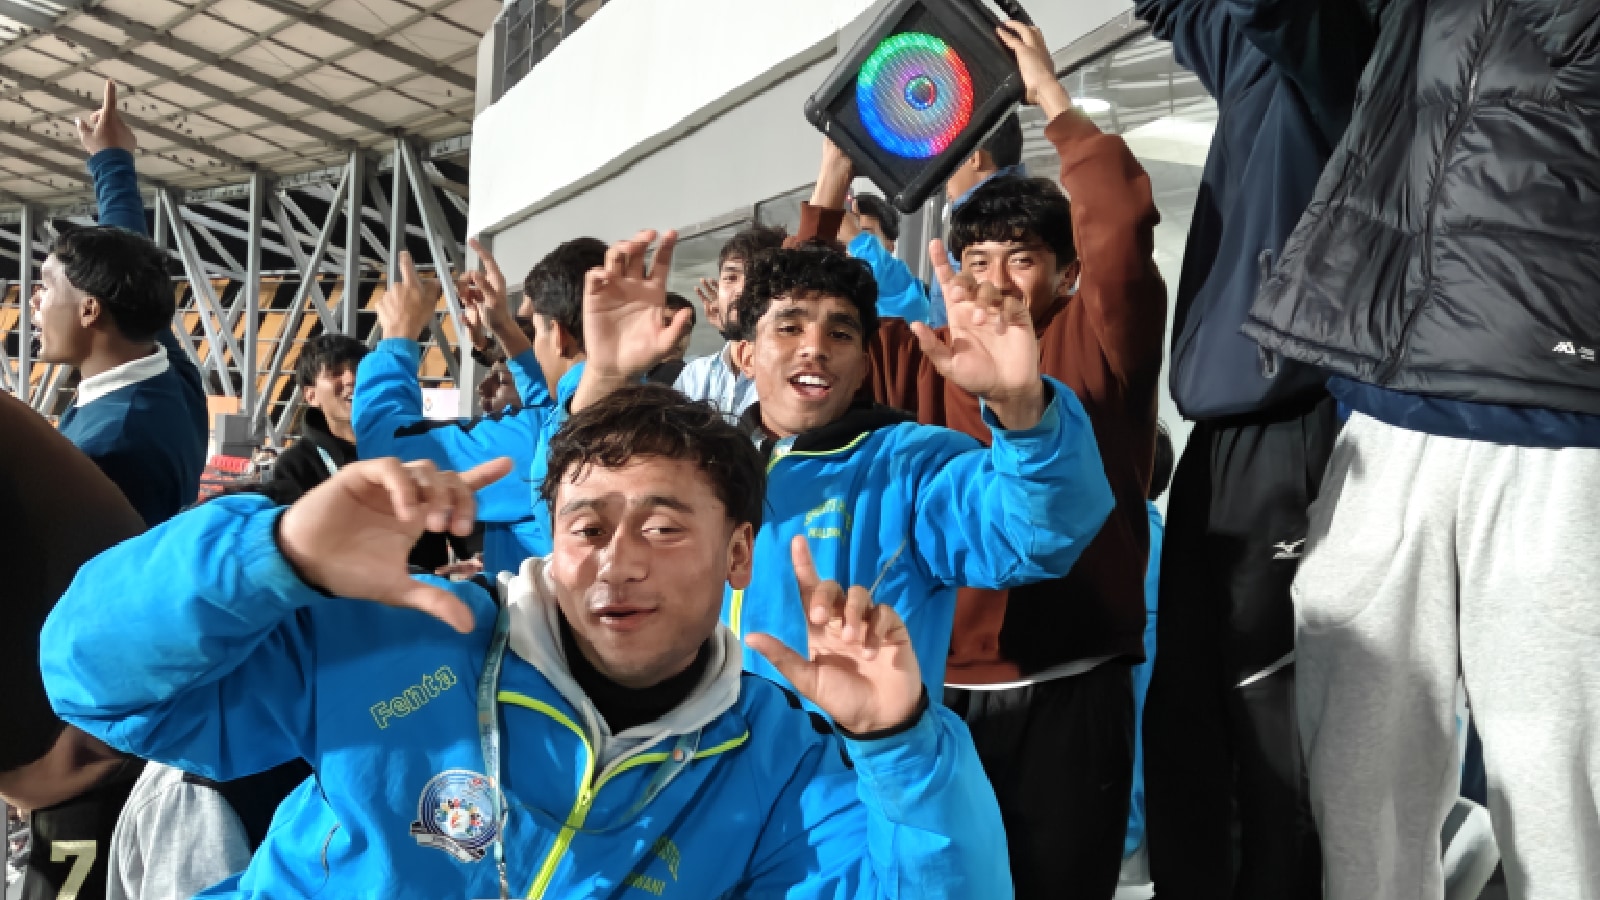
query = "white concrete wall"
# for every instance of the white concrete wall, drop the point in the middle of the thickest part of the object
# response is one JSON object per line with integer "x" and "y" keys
{"x": 666, "y": 113}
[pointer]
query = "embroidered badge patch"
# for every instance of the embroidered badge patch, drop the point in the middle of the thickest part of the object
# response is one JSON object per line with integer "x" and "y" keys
{"x": 456, "y": 814}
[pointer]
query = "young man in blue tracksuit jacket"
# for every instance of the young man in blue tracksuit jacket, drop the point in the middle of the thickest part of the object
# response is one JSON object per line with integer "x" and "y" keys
{"x": 910, "y": 510}
{"x": 105, "y": 307}
{"x": 1221, "y": 755}
{"x": 388, "y": 400}
{"x": 619, "y": 747}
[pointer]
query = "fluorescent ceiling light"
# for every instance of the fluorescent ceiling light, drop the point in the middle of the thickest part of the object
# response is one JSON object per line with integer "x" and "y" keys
{"x": 1092, "y": 105}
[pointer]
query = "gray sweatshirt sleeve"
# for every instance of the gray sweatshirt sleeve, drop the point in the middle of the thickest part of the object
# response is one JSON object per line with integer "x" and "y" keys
{"x": 174, "y": 839}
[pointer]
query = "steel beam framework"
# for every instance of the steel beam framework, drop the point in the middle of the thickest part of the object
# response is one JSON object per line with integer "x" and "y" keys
{"x": 225, "y": 301}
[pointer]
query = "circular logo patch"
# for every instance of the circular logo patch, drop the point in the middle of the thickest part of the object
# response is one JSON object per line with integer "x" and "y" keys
{"x": 456, "y": 814}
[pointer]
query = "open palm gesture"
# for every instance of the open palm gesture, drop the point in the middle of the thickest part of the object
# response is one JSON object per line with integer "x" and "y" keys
{"x": 990, "y": 350}
{"x": 625, "y": 329}
{"x": 862, "y": 671}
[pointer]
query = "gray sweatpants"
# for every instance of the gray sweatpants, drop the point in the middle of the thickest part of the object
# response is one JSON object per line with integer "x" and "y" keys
{"x": 1427, "y": 559}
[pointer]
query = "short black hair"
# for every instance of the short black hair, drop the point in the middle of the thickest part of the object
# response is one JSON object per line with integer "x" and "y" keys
{"x": 555, "y": 285}
{"x": 655, "y": 420}
{"x": 1161, "y": 471}
{"x": 1011, "y": 208}
{"x": 752, "y": 242}
{"x": 1004, "y": 146}
{"x": 677, "y": 301}
{"x": 328, "y": 353}
{"x": 125, "y": 271}
{"x": 804, "y": 273}
{"x": 879, "y": 208}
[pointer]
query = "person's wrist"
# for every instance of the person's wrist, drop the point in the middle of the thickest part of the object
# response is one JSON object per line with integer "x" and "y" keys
{"x": 900, "y": 722}
{"x": 1018, "y": 410}
{"x": 299, "y": 563}
{"x": 1053, "y": 100}
{"x": 604, "y": 374}
{"x": 504, "y": 328}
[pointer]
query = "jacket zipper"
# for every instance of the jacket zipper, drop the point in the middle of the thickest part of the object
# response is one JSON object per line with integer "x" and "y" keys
{"x": 780, "y": 453}
{"x": 1462, "y": 115}
{"x": 736, "y": 608}
{"x": 588, "y": 789}
{"x": 325, "y": 844}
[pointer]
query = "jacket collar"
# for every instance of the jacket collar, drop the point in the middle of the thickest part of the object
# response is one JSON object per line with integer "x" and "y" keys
{"x": 862, "y": 417}
{"x": 536, "y": 638}
{"x": 314, "y": 428}
{"x": 119, "y": 377}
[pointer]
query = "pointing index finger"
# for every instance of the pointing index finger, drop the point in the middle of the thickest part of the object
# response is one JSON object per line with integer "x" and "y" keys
{"x": 490, "y": 266}
{"x": 110, "y": 101}
{"x": 941, "y": 261}
{"x": 805, "y": 570}
{"x": 408, "y": 268}
{"x": 487, "y": 473}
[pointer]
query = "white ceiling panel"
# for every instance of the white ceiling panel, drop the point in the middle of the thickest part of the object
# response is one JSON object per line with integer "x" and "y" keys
{"x": 213, "y": 85}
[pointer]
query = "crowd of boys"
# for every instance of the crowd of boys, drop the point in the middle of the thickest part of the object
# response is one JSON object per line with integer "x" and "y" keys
{"x": 864, "y": 603}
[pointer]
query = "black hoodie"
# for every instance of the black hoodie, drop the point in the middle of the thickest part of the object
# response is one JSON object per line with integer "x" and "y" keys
{"x": 303, "y": 467}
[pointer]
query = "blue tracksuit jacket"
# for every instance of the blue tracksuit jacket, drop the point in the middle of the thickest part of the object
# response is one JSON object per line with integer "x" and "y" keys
{"x": 228, "y": 664}
{"x": 927, "y": 509}
{"x": 900, "y": 294}
{"x": 388, "y": 421}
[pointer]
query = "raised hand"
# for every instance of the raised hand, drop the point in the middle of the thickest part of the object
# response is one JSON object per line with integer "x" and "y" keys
{"x": 626, "y": 326}
{"x": 991, "y": 350}
{"x": 487, "y": 288}
{"x": 1037, "y": 68}
{"x": 472, "y": 314}
{"x": 862, "y": 671}
{"x": 710, "y": 295}
{"x": 408, "y": 305}
{"x": 834, "y": 178}
{"x": 351, "y": 535}
{"x": 104, "y": 128}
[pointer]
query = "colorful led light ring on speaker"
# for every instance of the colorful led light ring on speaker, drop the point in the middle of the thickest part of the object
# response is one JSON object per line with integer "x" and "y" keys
{"x": 915, "y": 95}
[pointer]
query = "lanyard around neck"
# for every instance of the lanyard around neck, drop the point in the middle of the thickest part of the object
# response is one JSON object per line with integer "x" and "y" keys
{"x": 489, "y": 736}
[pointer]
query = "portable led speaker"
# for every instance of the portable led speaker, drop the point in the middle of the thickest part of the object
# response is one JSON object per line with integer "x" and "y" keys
{"x": 918, "y": 94}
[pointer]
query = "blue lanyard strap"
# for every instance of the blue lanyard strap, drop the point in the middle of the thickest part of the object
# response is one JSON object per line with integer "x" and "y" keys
{"x": 489, "y": 736}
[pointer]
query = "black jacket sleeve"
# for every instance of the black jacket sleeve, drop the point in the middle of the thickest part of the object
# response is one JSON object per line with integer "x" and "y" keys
{"x": 1321, "y": 46}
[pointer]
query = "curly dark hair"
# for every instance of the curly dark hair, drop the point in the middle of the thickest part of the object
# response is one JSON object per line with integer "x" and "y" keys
{"x": 125, "y": 271}
{"x": 1010, "y": 208}
{"x": 655, "y": 420}
{"x": 888, "y": 217}
{"x": 328, "y": 353}
{"x": 555, "y": 286}
{"x": 752, "y": 242}
{"x": 805, "y": 273}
